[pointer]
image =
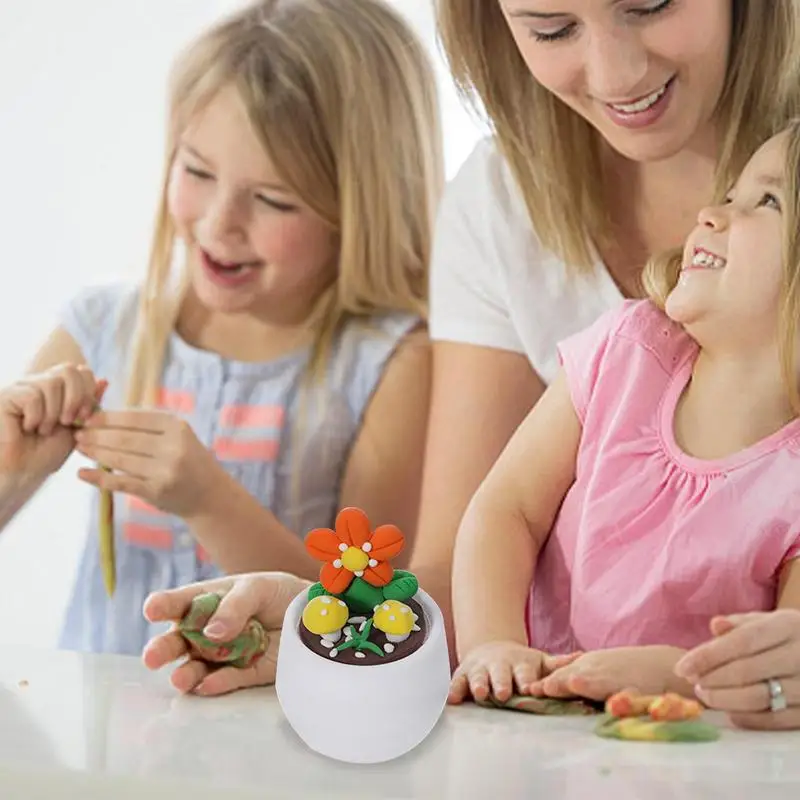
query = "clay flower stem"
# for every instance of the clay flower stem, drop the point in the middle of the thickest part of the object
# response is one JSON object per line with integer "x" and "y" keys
{"x": 359, "y": 640}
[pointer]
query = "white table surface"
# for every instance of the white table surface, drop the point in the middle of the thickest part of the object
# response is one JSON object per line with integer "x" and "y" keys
{"x": 89, "y": 727}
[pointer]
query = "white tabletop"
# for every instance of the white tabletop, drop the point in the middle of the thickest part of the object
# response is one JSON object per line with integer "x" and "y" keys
{"x": 105, "y": 727}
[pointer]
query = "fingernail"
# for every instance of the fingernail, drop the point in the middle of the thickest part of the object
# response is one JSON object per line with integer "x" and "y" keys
{"x": 700, "y": 692}
{"x": 215, "y": 629}
{"x": 683, "y": 669}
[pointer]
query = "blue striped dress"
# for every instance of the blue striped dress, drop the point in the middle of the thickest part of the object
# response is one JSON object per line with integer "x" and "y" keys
{"x": 245, "y": 413}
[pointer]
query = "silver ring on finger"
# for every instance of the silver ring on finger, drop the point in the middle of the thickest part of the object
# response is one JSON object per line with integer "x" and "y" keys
{"x": 777, "y": 697}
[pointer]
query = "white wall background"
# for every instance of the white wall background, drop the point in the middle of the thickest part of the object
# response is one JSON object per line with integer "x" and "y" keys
{"x": 81, "y": 118}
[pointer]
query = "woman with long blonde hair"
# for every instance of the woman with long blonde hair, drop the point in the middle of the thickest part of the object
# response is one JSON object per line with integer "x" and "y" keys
{"x": 273, "y": 365}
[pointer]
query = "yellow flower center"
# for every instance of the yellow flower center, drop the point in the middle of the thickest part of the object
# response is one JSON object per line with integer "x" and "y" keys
{"x": 354, "y": 559}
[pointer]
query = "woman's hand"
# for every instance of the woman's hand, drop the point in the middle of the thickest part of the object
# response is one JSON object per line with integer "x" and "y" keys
{"x": 731, "y": 671}
{"x": 154, "y": 455}
{"x": 37, "y": 415}
{"x": 262, "y": 595}
{"x": 600, "y": 673}
{"x": 501, "y": 669}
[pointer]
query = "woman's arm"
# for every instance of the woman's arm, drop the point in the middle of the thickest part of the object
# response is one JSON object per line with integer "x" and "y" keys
{"x": 383, "y": 474}
{"x": 382, "y": 477}
{"x": 480, "y": 396}
{"x": 508, "y": 521}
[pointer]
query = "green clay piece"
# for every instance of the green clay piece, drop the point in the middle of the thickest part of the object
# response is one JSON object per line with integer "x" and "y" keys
{"x": 359, "y": 640}
{"x": 644, "y": 729}
{"x": 361, "y": 597}
{"x": 373, "y": 648}
{"x": 403, "y": 586}
{"x": 545, "y": 706}
{"x": 243, "y": 651}
{"x": 316, "y": 590}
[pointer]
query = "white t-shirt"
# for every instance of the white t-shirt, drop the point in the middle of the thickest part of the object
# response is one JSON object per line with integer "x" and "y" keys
{"x": 492, "y": 281}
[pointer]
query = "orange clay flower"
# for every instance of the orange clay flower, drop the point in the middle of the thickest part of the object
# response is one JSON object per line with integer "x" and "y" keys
{"x": 354, "y": 550}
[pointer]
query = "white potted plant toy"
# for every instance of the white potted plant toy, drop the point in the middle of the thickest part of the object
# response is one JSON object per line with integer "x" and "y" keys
{"x": 363, "y": 668}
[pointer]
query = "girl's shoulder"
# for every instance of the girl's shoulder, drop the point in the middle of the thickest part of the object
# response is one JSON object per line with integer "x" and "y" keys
{"x": 99, "y": 315}
{"x": 643, "y": 324}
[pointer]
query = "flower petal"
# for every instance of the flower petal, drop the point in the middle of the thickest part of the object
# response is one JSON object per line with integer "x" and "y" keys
{"x": 323, "y": 544}
{"x": 352, "y": 526}
{"x": 387, "y": 542}
{"x": 380, "y": 574}
{"x": 335, "y": 579}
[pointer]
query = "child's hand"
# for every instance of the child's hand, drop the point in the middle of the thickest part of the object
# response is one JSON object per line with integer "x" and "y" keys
{"x": 155, "y": 456}
{"x": 501, "y": 669}
{"x": 732, "y": 670}
{"x": 37, "y": 415}
{"x": 263, "y": 595}
{"x": 601, "y": 673}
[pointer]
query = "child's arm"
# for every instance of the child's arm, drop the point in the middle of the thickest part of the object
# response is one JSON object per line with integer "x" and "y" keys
{"x": 382, "y": 477}
{"x": 383, "y": 473}
{"x": 509, "y": 520}
{"x": 17, "y": 488}
{"x": 789, "y": 585}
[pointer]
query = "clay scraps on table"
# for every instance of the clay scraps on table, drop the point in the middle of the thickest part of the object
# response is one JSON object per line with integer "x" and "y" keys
{"x": 654, "y": 718}
{"x": 545, "y": 706}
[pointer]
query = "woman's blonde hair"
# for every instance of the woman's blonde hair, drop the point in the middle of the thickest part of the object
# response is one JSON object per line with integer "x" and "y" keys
{"x": 343, "y": 97}
{"x": 661, "y": 273}
{"x": 553, "y": 153}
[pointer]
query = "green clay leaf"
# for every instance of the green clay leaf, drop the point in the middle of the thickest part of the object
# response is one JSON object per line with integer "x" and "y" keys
{"x": 316, "y": 590}
{"x": 361, "y": 597}
{"x": 351, "y": 643}
{"x": 403, "y": 586}
{"x": 371, "y": 646}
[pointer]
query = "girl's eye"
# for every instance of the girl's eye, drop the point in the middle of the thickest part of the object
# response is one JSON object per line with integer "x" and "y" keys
{"x": 198, "y": 173}
{"x": 275, "y": 205}
{"x": 769, "y": 200}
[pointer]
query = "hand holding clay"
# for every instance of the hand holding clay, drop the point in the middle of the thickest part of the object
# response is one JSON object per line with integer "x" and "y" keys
{"x": 242, "y": 600}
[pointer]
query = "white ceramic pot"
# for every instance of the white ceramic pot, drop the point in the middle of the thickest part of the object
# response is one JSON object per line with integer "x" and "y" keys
{"x": 363, "y": 714}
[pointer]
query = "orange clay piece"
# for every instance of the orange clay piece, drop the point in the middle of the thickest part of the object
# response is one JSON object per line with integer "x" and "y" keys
{"x": 628, "y": 704}
{"x": 668, "y": 707}
{"x": 672, "y": 707}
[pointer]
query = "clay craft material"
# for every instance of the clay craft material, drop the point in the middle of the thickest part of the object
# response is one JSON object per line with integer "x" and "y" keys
{"x": 105, "y": 523}
{"x": 243, "y": 651}
{"x": 655, "y": 718}
{"x": 544, "y": 706}
{"x": 363, "y": 670}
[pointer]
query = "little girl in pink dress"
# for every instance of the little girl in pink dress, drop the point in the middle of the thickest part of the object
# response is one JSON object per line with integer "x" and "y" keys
{"x": 656, "y": 484}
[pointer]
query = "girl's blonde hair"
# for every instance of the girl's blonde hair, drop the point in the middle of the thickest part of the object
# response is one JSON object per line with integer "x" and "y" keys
{"x": 343, "y": 96}
{"x": 661, "y": 273}
{"x": 554, "y": 154}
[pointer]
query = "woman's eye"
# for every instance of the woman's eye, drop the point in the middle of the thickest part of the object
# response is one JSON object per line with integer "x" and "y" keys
{"x": 553, "y": 36}
{"x": 647, "y": 11}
